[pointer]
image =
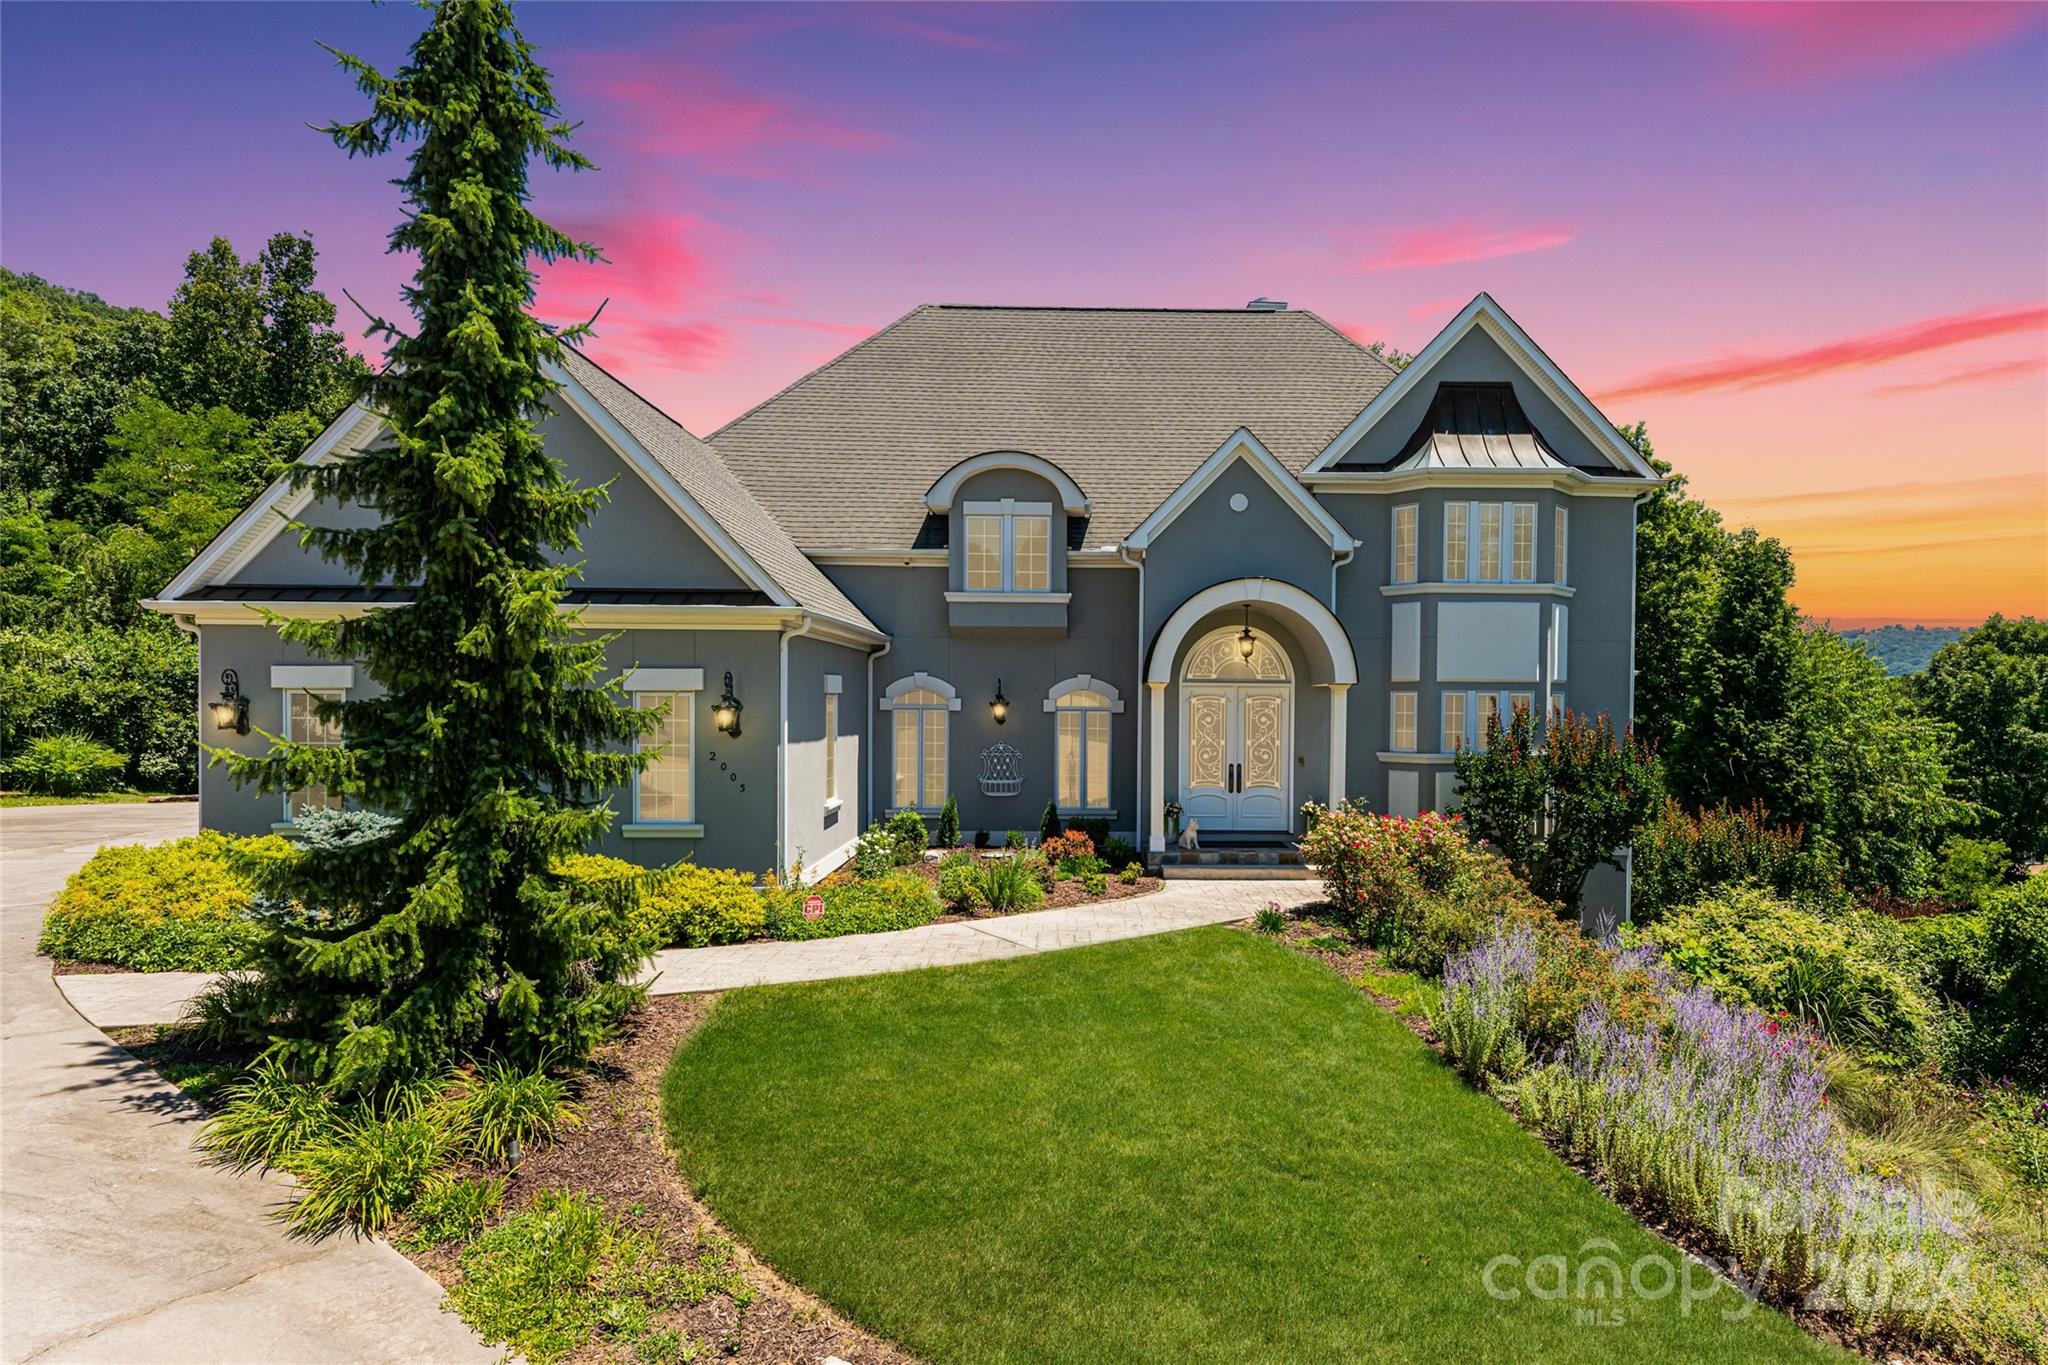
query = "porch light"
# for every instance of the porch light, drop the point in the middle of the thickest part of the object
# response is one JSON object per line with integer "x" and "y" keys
{"x": 231, "y": 709}
{"x": 1000, "y": 707}
{"x": 726, "y": 713}
{"x": 1246, "y": 641}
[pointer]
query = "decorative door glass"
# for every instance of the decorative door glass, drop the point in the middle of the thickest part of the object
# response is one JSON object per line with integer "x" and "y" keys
{"x": 1208, "y": 740}
{"x": 1262, "y": 741}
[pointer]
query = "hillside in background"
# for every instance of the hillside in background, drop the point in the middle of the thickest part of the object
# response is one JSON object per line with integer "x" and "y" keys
{"x": 1903, "y": 649}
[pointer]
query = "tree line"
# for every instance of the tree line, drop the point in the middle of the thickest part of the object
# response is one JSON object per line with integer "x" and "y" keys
{"x": 129, "y": 439}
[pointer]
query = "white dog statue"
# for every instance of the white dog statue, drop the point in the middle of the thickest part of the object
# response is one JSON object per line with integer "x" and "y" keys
{"x": 1189, "y": 840}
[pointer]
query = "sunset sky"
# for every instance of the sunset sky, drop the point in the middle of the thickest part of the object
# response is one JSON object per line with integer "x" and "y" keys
{"x": 1809, "y": 245}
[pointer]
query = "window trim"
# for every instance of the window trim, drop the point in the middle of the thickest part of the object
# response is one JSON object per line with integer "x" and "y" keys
{"x": 338, "y": 694}
{"x": 1414, "y": 520}
{"x": 1055, "y": 705}
{"x": 1007, "y": 512}
{"x": 642, "y": 683}
{"x": 950, "y": 697}
{"x": 1394, "y": 700}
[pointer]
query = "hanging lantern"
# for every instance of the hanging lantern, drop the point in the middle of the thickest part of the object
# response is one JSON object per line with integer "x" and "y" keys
{"x": 231, "y": 708}
{"x": 1246, "y": 641}
{"x": 1000, "y": 707}
{"x": 725, "y": 714}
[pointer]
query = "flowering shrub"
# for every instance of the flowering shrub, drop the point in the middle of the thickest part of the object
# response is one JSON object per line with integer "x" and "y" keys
{"x": 1680, "y": 856}
{"x": 1485, "y": 990}
{"x": 1375, "y": 866}
{"x": 1721, "y": 1122}
{"x": 1066, "y": 848}
{"x": 181, "y": 906}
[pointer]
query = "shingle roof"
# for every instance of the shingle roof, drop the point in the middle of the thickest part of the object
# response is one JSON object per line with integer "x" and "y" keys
{"x": 705, "y": 477}
{"x": 1128, "y": 401}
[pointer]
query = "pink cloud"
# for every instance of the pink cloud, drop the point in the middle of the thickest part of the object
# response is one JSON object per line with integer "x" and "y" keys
{"x": 657, "y": 273}
{"x": 674, "y": 109}
{"x": 1436, "y": 308}
{"x": 1459, "y": 242}
{"x": 1980, "y": 374}
{"x": 846, "y": 329}
{"x": 1850, "y": 353}
{"x": 1799, "y": 44}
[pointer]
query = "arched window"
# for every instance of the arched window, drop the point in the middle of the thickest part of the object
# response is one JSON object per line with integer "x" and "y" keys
{"x": 1081, "y": 709}
{"x": 920, "y": 704}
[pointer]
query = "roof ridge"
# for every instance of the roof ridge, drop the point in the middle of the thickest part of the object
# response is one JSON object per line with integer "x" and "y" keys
{"x": 1114, "y": 308}
{"x": 808, "y": 375}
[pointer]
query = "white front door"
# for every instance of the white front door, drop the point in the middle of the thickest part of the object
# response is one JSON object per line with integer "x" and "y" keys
{"x": 1234, "y": 770}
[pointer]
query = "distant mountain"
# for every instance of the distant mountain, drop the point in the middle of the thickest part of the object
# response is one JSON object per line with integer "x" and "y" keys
{"x": 1903, "y": 649}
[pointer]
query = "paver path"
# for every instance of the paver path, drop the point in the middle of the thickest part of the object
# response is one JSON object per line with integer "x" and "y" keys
{"x": 116, "y": 1243}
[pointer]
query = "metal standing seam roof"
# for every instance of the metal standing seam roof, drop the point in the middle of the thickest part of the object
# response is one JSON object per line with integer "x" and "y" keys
{"x": 1477, "y": 426}
{"x": 1128, "y": 401}
{"x": 705, "y": 477}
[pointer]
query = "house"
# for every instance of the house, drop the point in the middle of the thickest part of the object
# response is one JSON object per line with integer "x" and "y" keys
{"x": 1110, "y": 557}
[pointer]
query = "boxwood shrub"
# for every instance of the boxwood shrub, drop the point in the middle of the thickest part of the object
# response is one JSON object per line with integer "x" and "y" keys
{"x": 165, "y": 908}
{"x": 901, "y": 900}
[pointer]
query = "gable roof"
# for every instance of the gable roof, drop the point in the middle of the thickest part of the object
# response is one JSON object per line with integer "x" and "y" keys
{"x": 1484, "y": 314}
{"x": 1246, "y": 447}
{"x": 704, "y": 477}
{"x": 683, "y": 469}
{"x": 1127, "y": 401}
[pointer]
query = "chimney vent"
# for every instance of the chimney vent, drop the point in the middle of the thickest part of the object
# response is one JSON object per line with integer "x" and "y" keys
{"x": 1262, "y": 304}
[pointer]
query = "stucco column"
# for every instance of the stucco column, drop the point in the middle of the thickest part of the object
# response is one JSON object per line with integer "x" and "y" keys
{"x": 1155, "y": 795}
{"x": 1339, "y": 713}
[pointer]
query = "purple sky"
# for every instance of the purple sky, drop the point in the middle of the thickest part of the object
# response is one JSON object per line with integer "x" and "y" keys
{"x": 1808, "y": 244}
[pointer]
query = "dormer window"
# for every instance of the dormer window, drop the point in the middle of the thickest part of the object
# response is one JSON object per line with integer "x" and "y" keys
{"x": 1009, "y": 546}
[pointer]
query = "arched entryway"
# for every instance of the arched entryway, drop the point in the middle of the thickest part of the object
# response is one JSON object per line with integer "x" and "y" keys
{"x": 1226, "y": 700}
{"x": 1236, "y": 723}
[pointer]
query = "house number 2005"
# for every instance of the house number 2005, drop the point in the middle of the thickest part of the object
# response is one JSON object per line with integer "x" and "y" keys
{"x": 711, "y": 756}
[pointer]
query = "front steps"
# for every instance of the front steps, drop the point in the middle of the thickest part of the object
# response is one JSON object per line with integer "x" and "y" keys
{"x": 1251, "y": 862}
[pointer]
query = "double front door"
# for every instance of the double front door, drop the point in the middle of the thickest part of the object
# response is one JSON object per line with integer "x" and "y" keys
{"x": 1234, "y": 766}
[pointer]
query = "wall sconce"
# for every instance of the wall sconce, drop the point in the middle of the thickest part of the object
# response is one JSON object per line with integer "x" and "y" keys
{"x": 1000, "y": 707}
{"x": 1246, "y": 641}
{"x": 231, "y": 710}
{"x": 726, "y": 713}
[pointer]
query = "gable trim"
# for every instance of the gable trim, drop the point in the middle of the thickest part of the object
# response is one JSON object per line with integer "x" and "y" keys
{"x": 261, "y": 521}
{"x": 643, "y": 463}
{"x": 1488, "y": 316}
{"x": 1244, "y": 446}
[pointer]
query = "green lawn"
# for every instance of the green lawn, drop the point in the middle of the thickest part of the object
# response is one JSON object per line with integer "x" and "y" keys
{"x": 1200, "y": 1146}
{"x": 19, "y": 799}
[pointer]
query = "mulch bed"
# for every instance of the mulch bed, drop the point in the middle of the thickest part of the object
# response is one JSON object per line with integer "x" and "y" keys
{"x": 1356, "y": 963}
{"x": 1066, "y": 892}
{"x": 618, "y": 1154}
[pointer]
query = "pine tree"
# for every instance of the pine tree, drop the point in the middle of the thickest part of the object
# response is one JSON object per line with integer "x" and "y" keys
{"x": 949, "y": 824}
{"x": 1049, "y": 823}
{"x": 446, "y": 931}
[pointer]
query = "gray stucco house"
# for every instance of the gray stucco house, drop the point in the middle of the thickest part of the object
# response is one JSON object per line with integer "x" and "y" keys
{"x": 1077, "y": 511}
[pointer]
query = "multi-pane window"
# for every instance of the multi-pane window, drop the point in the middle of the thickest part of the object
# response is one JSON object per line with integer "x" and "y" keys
{"x": 664, "y": 793}
{"x": 1081, "y": 758}
{"x": 1487, "y": 719}
{"x": 1557, "y": 545}
{"x": 1454, "y": 722}
{"x": 1489, "y": 542}
{"x": 1522, "y": 529}
{"x": 1404, "y": 544}
{"x": 1521, "y": 703}
{"x": 304, "y": 726}
{"x": 920, "y": 744}
{"x": 1009, "y": 546}
{"x": 1557, "y": 707}
{"x": 831, "y": 746}
{"x": 1403, "y": 738}
{"x": 1457, "y": 541}
{"x": 985, "y": 554}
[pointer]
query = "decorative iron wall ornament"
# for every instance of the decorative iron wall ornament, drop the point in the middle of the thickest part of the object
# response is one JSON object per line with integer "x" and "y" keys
{"x": 1002, "y": 770}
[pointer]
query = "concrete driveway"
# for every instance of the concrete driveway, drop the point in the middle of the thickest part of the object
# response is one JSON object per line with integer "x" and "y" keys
{"x": 116, "y": 1243}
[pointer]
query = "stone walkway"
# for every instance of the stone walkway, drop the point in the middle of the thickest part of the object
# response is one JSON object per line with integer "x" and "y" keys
{"x": 112, "y": 1001}
{"x": 116, "y": 1243}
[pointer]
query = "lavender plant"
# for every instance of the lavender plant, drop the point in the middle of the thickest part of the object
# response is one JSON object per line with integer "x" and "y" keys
{"x": 1485, "y": 994}
{"x": 1721, "y": 1121}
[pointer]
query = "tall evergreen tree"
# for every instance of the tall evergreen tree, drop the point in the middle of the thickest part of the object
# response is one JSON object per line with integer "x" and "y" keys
{"x": 448, "y": 931}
